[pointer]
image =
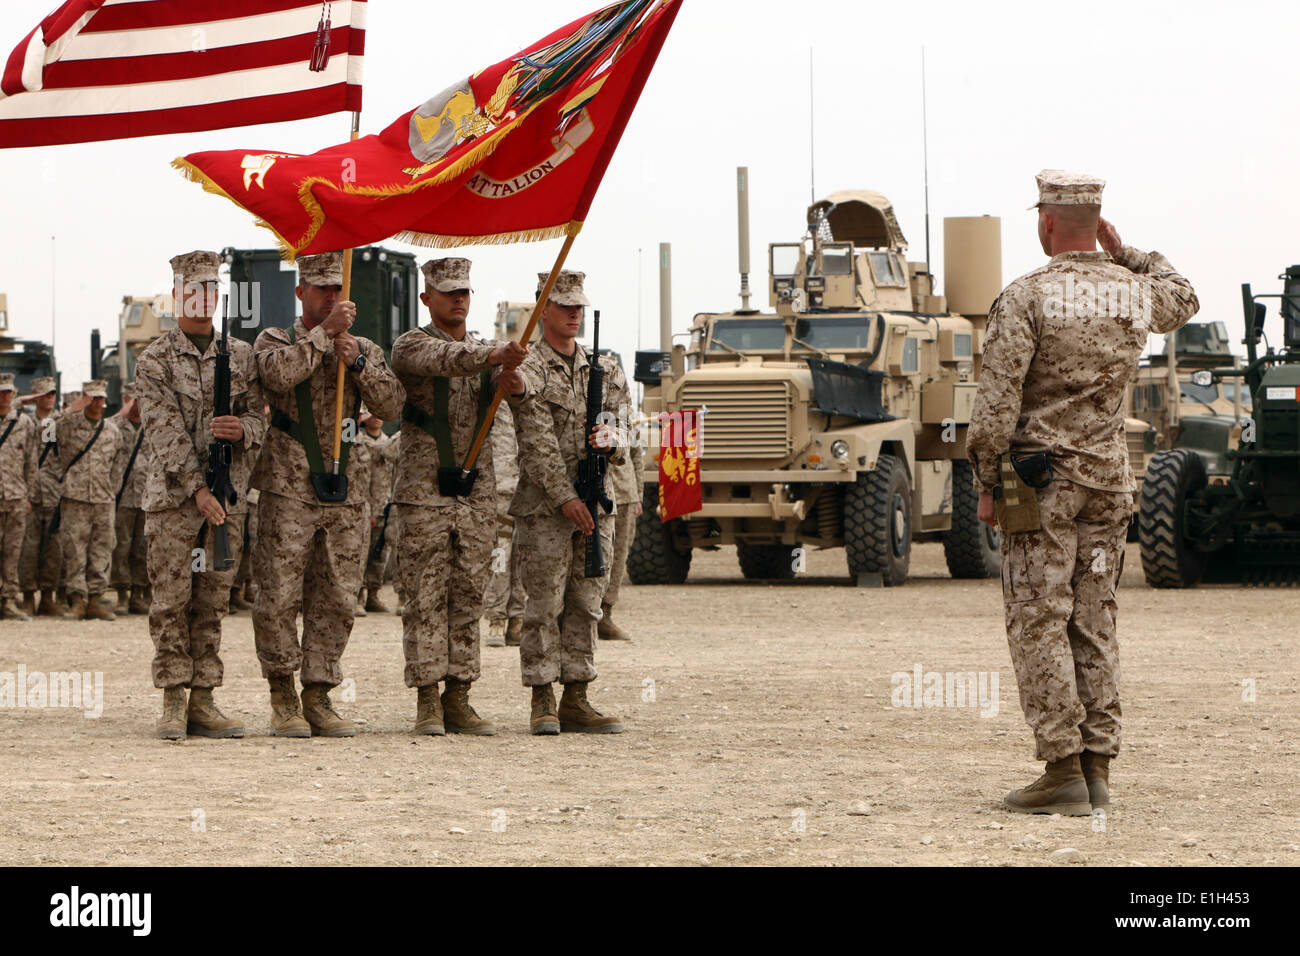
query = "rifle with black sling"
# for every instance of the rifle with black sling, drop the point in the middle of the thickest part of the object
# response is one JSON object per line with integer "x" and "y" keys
{"x": 593, "y": 465}
{"x": 221, "y": 451}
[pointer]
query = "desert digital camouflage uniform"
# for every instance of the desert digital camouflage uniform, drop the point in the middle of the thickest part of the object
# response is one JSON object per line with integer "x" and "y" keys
{"x": 131, "y": 555}
{"x": 383, "y": 457}
{"x": 446, "y": 542}
{"x": 87, "y": 524}
{"x": 563, "y": 606}
{"x": 18, "y": 481}
{"x": 627, "y": 486}
{"x": 175, "y": 389}
{"x": 1055, "y": 382}
{"x": 309, "y": 554}
{"x": 41, "y": 564}
{"x": 244, "y": 584}
{"x": 505, "y": 457}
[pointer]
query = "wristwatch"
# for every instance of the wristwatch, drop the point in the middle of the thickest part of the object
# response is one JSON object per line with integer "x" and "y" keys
{"x": 359, "y": 364}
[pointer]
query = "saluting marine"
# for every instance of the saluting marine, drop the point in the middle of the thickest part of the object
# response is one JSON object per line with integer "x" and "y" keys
{"x": 92, "y": 461}
{"x": 563, "y": 605}
{"x": 1047, "y": 446}
{"x": 312, "y": 538}
{"x": 448, "y": 529}
{"x": 18, "y": 454}
{"x": 41, "y": 564}
{"x": 175, "y": 387}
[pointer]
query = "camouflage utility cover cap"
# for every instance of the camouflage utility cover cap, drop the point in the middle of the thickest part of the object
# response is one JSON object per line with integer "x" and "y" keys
{"x": 197, "y": 266}
{"x": 1056, "y": 187}
{"x": 98, "y": 388}
{"x": 324, "y": 269}
{"x": 568, "y": 287}
{"x": 447, "y": 275}
{"x": 7, "y": 382}
{"x": 44, "y": 385}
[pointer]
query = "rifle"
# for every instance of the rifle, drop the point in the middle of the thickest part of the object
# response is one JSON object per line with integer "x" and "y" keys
{"x": 221, "y": 453}
{"x": 592, "y": 467}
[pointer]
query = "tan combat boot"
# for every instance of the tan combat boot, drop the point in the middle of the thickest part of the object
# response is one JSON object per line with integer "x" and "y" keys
{"x": 321, "y": 715}
{"x": 514, "y": 632}
{"x": 123, "y": 598}
{"x": 29, "y": 603}
{"x": 544, "y": 722}
{"x": 237, "y": 602}
{"x": 98, "y": 610}
{"x": 607, "y": 630}
{"x": 360, "y": 609}
{"x": 205, "y": 720}
{"x": 1061, "y": 789}
{"x": 172, "y": 724}
{"x": 458, "y": 716}
{"x": 286, "y": 710}
{"x": 578, "y": 716}
{"x": 48, "y": 607}
{"x": 428, "y": 712}
{"x": 10, "y": 610}
{"x": 496, "y": 635}
{"x": 141, "y": 598}
{"x": 76, "y": 607}
{"x": 373, "y": 604}
{"x": 1096, "y": 772}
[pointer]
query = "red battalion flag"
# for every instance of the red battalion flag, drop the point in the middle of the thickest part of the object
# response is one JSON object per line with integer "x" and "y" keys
{"x": 110, "y": 69}
{"x": 680, "y": 491}
{"x": 513, "y": 153}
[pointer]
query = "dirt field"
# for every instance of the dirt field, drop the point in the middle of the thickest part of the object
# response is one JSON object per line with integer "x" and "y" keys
{"x": 759, "y": 730}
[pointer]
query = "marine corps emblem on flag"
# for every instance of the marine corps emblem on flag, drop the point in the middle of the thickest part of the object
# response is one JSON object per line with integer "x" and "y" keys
{"x": 680, "y": 492}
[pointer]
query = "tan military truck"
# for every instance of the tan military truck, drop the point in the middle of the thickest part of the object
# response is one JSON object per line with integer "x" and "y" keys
{"x": 838, "y": 419}
{"x": 143, "y": 318}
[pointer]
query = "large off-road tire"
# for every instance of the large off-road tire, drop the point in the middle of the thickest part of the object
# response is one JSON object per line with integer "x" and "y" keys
{"x": 878, "y": 522}
{"x": 766, "y": 560}
{"x": 652, "y": 559}
{"x": 972, "y": 548}
{"x": 1168, "y": 558}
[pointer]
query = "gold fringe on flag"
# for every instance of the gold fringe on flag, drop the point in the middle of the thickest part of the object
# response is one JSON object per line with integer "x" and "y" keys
{"x": 498, "y": 239}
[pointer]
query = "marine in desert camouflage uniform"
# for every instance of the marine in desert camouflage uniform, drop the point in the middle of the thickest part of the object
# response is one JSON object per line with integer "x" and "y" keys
{"x": 90, "y": 482}
{"x": 559, "y": 629}
{"x": 310, "y": 553}
{"x": 383, "y": 458}
{"x": 628, "y": 487}
{"x": 130, "y": 574}
{"x": 19, "y": 441}
{"x": 175, "y": 389}
{"x": 450, "y": 376}
{"x": 505, "y": 458}
{"x": 41, "y": 564}
{"x": 1063, "y": 344}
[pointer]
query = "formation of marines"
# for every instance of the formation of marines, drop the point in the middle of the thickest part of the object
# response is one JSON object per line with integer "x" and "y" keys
{"x": 80, "y": 494}
{"x": 93, "y": 504}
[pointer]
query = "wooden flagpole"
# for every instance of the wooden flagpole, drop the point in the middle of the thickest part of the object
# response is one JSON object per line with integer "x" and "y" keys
{"x": 470, "y": 459}
{"x": 344, "y": 296}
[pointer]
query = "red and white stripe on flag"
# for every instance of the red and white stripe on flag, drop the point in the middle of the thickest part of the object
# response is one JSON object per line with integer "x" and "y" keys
{"x": 111, "y": 69}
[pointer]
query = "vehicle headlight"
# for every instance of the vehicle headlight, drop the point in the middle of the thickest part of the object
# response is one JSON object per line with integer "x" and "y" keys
{"x": 840, "y": 448}
{"x": 1202, "y": 378}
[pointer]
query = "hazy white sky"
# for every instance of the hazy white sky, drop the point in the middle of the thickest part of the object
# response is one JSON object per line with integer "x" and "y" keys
{"x": 1187, "y": 109}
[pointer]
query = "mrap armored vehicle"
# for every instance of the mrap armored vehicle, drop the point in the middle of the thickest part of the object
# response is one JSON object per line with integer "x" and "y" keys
{"x": 838, "y": 419}
{"x": 1243, "y": 526}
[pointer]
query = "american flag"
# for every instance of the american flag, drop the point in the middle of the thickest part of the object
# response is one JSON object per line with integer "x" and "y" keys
{"x": 111, "y": 69}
